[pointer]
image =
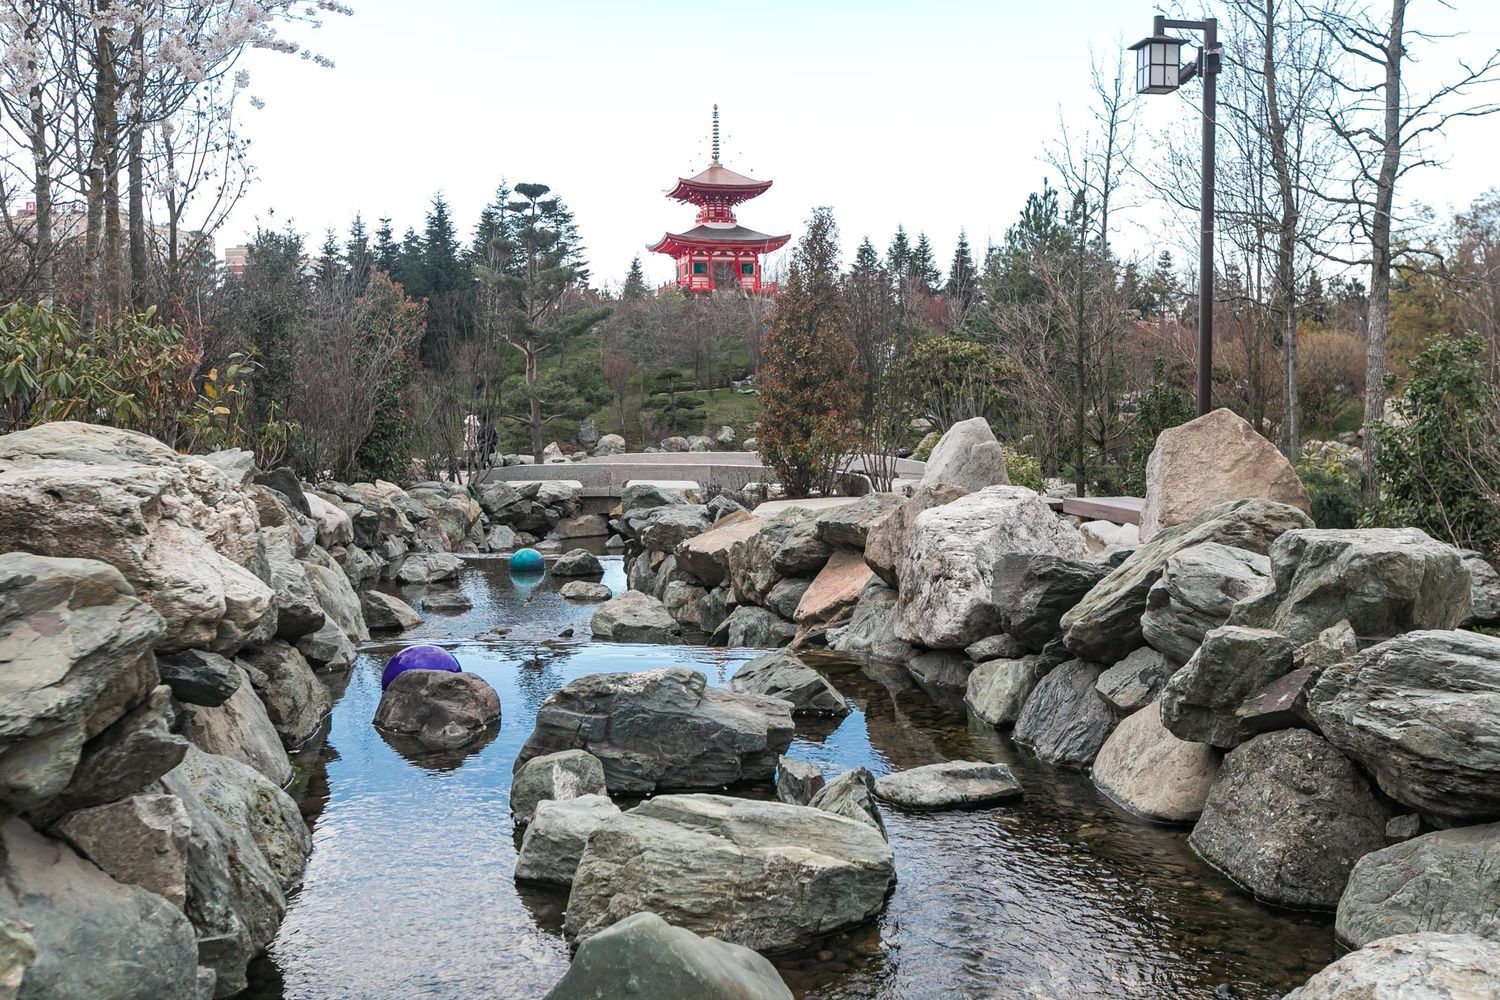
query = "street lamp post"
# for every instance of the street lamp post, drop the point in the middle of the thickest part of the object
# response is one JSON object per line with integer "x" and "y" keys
{"x": 1159, "y": 70}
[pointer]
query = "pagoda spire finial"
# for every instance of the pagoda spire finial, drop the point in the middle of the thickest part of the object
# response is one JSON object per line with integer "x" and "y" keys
{"x": 716, "y": 135}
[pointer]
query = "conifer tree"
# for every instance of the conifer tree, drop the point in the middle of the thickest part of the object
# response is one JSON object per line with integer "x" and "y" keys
{"x": 330, "y": 259}
{"x": 922, "y": 268}
{"x": 387, "y": 252}
{"x": 898, "y": 254}
{"x": 635, "y": 282}
{"x": 443, "y": 270}
{"x": 357, "y": 257}
{"x": 963, "y": 276}
{"x": 866, "y": 260}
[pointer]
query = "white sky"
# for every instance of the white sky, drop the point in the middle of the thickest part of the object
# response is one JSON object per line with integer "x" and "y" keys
{"x": 934, "y": 114}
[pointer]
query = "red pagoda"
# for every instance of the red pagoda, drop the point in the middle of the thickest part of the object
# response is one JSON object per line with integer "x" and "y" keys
{"x": 718, "y": 252}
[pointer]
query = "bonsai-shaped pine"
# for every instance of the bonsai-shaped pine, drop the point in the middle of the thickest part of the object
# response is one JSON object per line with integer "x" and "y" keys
{"x": 809, "y": 386}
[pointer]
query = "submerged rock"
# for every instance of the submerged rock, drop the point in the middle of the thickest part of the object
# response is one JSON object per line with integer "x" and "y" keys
{"x": 556, "y": 836}
{"x": 440, "y": 709}
{"x": 635, "y": 617}
{"x": 998, "y": 689}
{"x": 1065, "y": 721}
{"x": 1444, "y": 881}
{"x": 660, "y": 960}
{"x": 663, "y": 729}
{"x": 783, "y": 675}
{"x": 851, "y": 795}
{"x": 564, "y": 775}
{"x": 1152, "y": 773}
{"x": 797, "y": 781}
{"x": 1410, "y": 967}
{"x": 1288, "y": 816}
{"x": 767, "y": 875}
{"x": 585, "y": 590}
{"x": 952, "y": 784}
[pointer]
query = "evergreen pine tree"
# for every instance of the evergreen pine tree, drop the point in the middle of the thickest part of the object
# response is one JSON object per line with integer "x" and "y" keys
{"x": 409, "y": 272}
{"x": 387, "y": 253}
{"x": 898, "y": 254}
{"x": 963, "y": 276}
{"x": 922, "y": 268}
{"x": 442, "y": 267}
{"x": 330, "y": 259}
{"x": 1011, "y": 277}
{"x": 357, "y": 257}
{"x": 635, "y": 282}
{"x": 866, "y": 260}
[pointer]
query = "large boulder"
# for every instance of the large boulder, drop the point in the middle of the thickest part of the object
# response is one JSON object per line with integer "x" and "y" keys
{"x": 382, "y": 612}
{"x": 1484, "y": 592}
{"x": 948, "y": 586}
{"x": 339, "y": 601}
{"x": 1422, "y": 713}
{"x": 1106, "y": 624}
{"x": 297, "y": 609}
{"x": 439, "y": 709}
{"x": 757, "y": 628}
{"x": 556, "y": 836}
{"x": 706, "y": 555}
{"x": 635, "y": 617}
{"x": 428, "y": 567}
{"x": 137, "y": 749}
{"x": 296, "y": 700}
{"x": 872, "y": 628}
{"x": 1383, "y": 581}
{"x": 998, "y": 689}
{"x": 610, "y": 444}
{"x": 783, "y": 675}
{"x": 851, "y": 795}
{"x": 72, "y": 931}
{"x": 787, "y": 595}
{"x": 1287, "y": 817}
{"x": 577, "y": 562}
{"x": 330, "y": 649}
{"x": 1135, "y": 681}
{"x": 797, "y": 781}
{"x": 1411, "y": 967}
{"x": 663, "y": 729}
{"x": 239, "y": 729}
{"x": 848, "y": 526}
{"x": 1200, "y": 702}
{"x": 664, "y": 528}
{"x": 172, "y": 525}
{"x": 751, "y": 570}
{"x": 198, "y": 677}
{"x": 1206, "y": 461}
{"x": 1443, "y": 881}
{"x": 75, "y": 657}
{"x": 951, "y": 784}
{"x": 1198, "y": 588}
{"x": 559, "y": 776}
{"x": 1152, "y": 773}
{"x": 834, "y": 590}
{"x": 801, "y": 552}
{"x": 767, "y": 875}
{"x": 138, "y": 840}
{"x": 967, "y": 456}
{"x": 1034, "y": 592}
{"x": 885, "y": 543}
{"x": 1065, "y": 721}
{"x": 659, "y": 960}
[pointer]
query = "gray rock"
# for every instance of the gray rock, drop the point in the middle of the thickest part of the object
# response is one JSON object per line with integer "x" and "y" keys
{"x": 1443, "y": 881}
{"x": 751, "y": 570}
{"x": 1484, "y": 592}
{"x": 577, "y": 562}
{"x": 683, "y": 602}
{"x": 943, "y": 674}
{"x": 783, "y": 675}
{"x": 635, "y": 617}
{"x": 786, "y": 595}
{"x": 849, "y": 526}
{"x": 72, "y": 931}
{"x": 297, "y": 608}
{"x": 1198, "y": 588}
{"x": 967, "y": 456}
{"x": 138, "y": 840}
{"x": 1383, "y": 581}
{"x": 610, "y": 444}
{"x": 1135, "y": 681}
{"x": 998, "y": 689}
{"x": 585, "y": 590}
{"x": 802, "y": 552}
{"x": 1065, "y": 721}
{"x": 1288, "y": 816}
{"x": 713, "y": 608}
{"x": 994, "y": 647}
{"x": 439, "y": 709}
{"x": 564, "y": 775}
{"x": 1106, "y": 624}
{"x": 767, "y": 875}
{"x": 134, "y": 751}
{"x": 1410, "y": 967}
{"x": 953, "y": 784}
{"x": 328, "y": 648}
{"x": 663, "y": 729}
{"x": 666, "y": 961}
{"x": 339, "y": 601}
{"x": 1200, "y": 702}
{"x": 885, "y": 544}
{"x": 872, "y": 629}
{"x": 1152, "y": 773}
{"x": 428, "y": 567}
{"x": 664, "y": 528}
{"x": 1422, "y": 713}
{"x": 588, "y": 432}
{"x": 198, "y": 677}
{"x": 1034, "y": 592}
{"x": 556, "y": 836}
{"x": 797, "y": 781}
{"x": 239, "y": 729}
{"x": 851, "y": 795}
{"x": 81, "y": 620}
{"x": 949, "y": 593}
{"x": 387, "y": 613}
{"x": 296, "y": 701}
{"x": 722, "y": 506}
{"x": 1403, "y": 827}
{"x": 758, "y": 628}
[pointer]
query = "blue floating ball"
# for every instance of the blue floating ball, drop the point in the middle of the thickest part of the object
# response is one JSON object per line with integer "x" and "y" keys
{"x": 418, "y": 658}
{"x": 526, "y": 561}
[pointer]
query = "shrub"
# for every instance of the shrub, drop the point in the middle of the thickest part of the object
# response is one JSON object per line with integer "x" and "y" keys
{"x": 1438, "y": 465}
{"x": 1334, "y": 488}
{"x": 1024, "y": 470}
{"x": 1164, "y": 405}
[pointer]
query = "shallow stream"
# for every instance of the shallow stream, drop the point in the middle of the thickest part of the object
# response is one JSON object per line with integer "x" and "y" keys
{"x": 409, "y": 890}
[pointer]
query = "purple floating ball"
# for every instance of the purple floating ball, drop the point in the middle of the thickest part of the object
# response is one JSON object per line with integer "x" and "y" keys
{"x": 418, "y": 658}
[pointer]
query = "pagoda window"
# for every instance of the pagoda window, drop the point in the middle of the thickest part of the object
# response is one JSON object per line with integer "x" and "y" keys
{"x": 700, "y": 267}
{"x": 747, "y": 269}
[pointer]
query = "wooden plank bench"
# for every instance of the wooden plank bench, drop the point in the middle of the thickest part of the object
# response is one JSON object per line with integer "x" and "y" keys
{"x": 1119, "y": 510}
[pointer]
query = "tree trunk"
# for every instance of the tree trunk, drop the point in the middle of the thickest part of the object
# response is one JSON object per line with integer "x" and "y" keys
{"x": 1380, "y": 248}
{"x": 41, "y": 168}
{"x": 1286, "y": 248}
{"x": 137, "y": 180}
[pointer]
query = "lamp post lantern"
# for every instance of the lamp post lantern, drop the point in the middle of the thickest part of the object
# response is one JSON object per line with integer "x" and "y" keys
{"x": 1159, "y": 70}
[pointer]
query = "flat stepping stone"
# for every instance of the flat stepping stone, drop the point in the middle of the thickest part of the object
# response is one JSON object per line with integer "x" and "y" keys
{"x": 952, "y": 784}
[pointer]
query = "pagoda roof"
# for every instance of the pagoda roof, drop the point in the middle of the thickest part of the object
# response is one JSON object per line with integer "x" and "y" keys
{"x": 710, "y": 237}
{"x": 717, "y": 180}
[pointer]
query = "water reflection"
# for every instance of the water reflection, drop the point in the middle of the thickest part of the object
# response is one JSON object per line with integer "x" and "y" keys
{"x": 409, "y": 891}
